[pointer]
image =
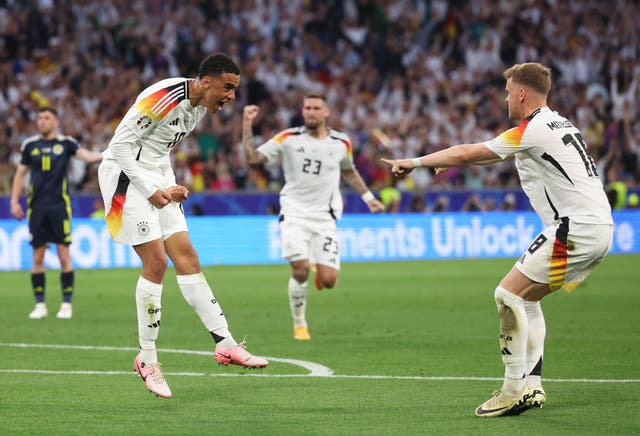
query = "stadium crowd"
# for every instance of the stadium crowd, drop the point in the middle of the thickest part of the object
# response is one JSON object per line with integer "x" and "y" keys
{"x": 422, "y": 74}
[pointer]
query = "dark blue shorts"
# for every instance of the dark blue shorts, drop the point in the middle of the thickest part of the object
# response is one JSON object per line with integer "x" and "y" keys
{"x": 49, "y": 225}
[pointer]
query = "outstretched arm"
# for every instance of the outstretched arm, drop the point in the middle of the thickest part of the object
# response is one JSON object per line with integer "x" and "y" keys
{"x": 88, "y": 156}
{"x": 252, "y": 156}
{"x": 354, "y": 180}
{"x": 463, "y": 154}
{"x": 439, "y": 170}
{"x": 489, "y": 161}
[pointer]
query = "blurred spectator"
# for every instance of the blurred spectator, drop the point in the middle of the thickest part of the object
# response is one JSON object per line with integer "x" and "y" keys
{"x": 508, "y": 202}
{"x": 616, "y": 189}
{"x": 182, "y": 170}
{"x": 98, "y": 209}
{"x": 417, "y": 203}
{"x": 474, "y": 178}
{"x": 273, "y": 209}
{"x": 472, "y": 204}
{"x": 222, "y": 180}
{"x": 442, "y": 204}
{"x": 196, "y": 210}
{"x": 422, "y": 72}
{"x": 390, "y": 196}
{"x": 489, "y": 204}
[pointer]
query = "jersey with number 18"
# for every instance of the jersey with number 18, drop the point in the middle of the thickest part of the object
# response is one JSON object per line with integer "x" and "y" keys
{"x": 556, "y": 171}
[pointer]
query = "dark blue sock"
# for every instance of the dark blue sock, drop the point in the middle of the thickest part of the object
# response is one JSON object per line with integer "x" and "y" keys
{"x": 66, "y": 280}
{"x": 37, "y": 284}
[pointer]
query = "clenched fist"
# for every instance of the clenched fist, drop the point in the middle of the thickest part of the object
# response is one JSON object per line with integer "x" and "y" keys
{"x": 250, "y": 112}
{"x": 178, "y": 193}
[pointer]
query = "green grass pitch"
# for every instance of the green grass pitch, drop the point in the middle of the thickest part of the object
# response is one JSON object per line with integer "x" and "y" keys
{"x": 412, "y": 347}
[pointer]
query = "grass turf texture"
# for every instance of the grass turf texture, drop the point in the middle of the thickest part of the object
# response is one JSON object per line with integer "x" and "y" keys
{"x": 410, "y": 319}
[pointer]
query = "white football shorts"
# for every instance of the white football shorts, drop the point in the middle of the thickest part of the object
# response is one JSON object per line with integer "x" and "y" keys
{"x": 565, "y": 253}
{"x": 131, "y": 218}
{"x": 316, "y": 240}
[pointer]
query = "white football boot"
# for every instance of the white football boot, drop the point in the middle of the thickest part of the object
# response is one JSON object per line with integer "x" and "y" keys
{"x": 65, "y": 311}
{"x": 39, "y": 312}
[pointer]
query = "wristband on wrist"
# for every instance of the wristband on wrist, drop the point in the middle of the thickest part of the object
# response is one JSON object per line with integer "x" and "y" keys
{"x": 367, "y": 197}
{"x": 416, "y": 162}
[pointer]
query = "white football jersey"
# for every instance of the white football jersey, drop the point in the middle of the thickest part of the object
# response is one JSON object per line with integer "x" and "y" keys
{"x": 160, "y": 118}
{"x": 312, "y": 170}
{"x": 555, "y": 169}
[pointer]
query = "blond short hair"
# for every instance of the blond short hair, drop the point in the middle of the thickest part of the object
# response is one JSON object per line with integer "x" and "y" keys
{"x": 532, "y": 75}
{"x": 316, "y": 95}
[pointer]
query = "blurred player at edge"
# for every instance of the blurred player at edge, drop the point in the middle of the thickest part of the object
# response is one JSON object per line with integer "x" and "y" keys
{"x": 143, "y": 207}
{"x": 563, "y": 186}
{"x": 46, "y": 156}
{"x": 313, "y": 157}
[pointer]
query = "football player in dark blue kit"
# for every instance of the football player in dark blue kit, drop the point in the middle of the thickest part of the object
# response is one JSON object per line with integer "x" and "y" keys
{"x": 46, "y": 156}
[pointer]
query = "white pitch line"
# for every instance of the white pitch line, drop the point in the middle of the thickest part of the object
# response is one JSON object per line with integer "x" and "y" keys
{"x": 364, "y": 377}
{"x": 316, "y": 370}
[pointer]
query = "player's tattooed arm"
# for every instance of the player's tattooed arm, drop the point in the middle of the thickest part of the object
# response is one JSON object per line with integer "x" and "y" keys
{"x": 252, "y": 156}
{"x": 354, "y": 180}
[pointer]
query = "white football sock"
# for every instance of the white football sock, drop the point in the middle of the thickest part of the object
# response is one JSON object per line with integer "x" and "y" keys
{"x": 535, "y": 342}
{"x": 196, "y": 291}
{"x": 148, "y": 305}
{"x": 513, "y": 339}
{"x": 298, "y": 302}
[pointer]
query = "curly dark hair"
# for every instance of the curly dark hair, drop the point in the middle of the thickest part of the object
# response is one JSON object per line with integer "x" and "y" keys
{"x": 217, "y": 64}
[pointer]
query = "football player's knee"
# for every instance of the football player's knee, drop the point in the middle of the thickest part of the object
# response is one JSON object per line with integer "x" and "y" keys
{"x": 329, "y": 281}
{"x": 159, "y": 264}
{"x": 505, "y": 313}
{"x": 38, "y": 256}
{"x": 300, "y": 275}
{"x": 189, "y": 263}
{"x": 300, "y": 270}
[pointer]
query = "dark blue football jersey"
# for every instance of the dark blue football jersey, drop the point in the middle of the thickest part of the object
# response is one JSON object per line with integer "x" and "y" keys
{"x": 48, "y": 161}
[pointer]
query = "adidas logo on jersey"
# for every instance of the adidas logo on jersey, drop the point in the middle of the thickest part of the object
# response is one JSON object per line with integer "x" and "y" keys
{"x": 300, "y": 150}
{"x": 174, "y": 122}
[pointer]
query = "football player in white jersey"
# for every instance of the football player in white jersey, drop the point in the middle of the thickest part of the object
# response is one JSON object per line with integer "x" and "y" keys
{"x": 143, "y": 207}
{"x": 561, "y": 181}
{"x": 313, "y": 158}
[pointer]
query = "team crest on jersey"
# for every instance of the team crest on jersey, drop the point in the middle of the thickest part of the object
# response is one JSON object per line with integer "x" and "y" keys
{"x": 58, "y": 149}
{"x": 143, "y": 228}
{"x": 144, "y": 121}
